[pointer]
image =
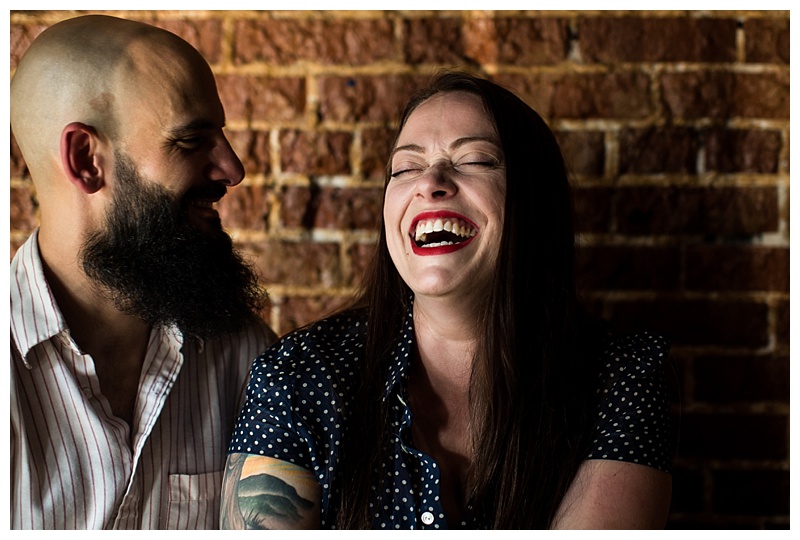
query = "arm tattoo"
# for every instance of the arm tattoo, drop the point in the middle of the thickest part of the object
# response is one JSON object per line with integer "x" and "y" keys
{"x": 267, "y": 497}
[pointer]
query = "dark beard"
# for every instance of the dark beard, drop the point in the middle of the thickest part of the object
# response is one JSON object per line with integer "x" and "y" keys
{"x": 156, "y": 266}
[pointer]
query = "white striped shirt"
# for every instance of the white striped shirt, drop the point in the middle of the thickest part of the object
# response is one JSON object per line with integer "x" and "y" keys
{"x": 72, "y": 463}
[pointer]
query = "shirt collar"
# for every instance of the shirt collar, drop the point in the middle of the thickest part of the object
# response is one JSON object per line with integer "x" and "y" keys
{"x": 401, "y": 355}
{"x": 35, "y": 316}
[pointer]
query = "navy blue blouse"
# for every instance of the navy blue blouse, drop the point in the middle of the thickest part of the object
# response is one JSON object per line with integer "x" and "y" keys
{"x": 301, "y": 385}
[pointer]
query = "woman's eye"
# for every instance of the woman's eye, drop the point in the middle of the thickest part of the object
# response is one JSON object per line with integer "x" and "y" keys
{"x": 475, "y": 166}
{"x": 406, "y": 170}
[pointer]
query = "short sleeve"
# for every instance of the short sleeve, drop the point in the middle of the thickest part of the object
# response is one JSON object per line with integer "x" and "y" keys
{"x": 633, "y": 416}
{"x": 267, "y": 425}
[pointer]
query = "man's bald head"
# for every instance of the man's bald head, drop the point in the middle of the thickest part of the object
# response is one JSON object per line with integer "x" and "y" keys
{"x": 91, "y": 70}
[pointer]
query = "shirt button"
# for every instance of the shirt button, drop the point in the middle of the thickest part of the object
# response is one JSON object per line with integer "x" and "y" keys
{"x": 427, "y": 518}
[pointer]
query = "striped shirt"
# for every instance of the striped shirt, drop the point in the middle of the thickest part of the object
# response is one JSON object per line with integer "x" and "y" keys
{"x": 74, "y": 465}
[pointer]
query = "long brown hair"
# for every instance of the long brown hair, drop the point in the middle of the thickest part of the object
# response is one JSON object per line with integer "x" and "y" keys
{"x": 531, "y": 390}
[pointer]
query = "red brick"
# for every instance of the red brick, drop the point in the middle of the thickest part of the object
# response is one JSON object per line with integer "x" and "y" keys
{"x": 22, "y": 35}
{"x": 438, "y": 41}
{"x": 296, "y": 312}
{"x": 18, "y": 167}
{"x": 605, "y": 95}
{"x": 296, "y": 263}
{"x": 732, "y": 212}
{"x": 517, "y": 41}
{"x": 375, "y": 149}
{"x": 315, "y": 153}
{"x": 592, "y": 209}
{"x": 751, "y": 492}
{"x": 584, "y": 151}
{"x": 245, "y": 207}
{"x": 722, "y": 94}
{"x": 639, "y": 39}
{"x": 360, "y": 257}
{"x": 782, "y": 323}
{"x": 607, "y": 267}
{"x": 331, "y": 208}
{"x": 262, "y": 98}
{"x": 658, "y": 150}
{"x": 365, "y": 98}
{"x": 767, "y": 40}
{"x": 742, "y": 150}
{"x": 205, "y": 35}
{"x": 734, "y": 436}
{"x": 696, "y": 322}
{"x": 742, "y": 379}
{"x": 23, "y": 208}
{"x": 348, "y": 41}
{"x": 711, "y": 267}
{"x": 253, "y": 149}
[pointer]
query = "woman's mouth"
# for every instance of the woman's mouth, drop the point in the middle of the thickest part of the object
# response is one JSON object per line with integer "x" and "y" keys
{"x": 440, "y": 233}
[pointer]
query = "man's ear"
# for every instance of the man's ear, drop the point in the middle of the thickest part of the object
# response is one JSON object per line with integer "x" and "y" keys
{"x": 79, "y": 157}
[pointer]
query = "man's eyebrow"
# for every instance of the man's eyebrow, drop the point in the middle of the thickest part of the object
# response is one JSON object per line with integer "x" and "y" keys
{"x": 455, "y": 144}
{"x": 194, "y": 125}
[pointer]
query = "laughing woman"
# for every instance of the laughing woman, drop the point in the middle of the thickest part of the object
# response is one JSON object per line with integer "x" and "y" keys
{"x": 465, "y": 387}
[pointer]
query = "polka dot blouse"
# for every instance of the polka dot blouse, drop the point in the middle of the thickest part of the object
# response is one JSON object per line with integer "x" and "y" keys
{"x": 300, "y": 387}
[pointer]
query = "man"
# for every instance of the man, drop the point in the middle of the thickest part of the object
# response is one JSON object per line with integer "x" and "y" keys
{"x": 133, "y": 320}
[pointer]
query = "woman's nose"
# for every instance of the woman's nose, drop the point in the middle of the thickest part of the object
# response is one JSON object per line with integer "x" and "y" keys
{"x": 437, "y": 182}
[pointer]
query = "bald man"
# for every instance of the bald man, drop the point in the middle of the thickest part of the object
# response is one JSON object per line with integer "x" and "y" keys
{"x": 133, "y": 320}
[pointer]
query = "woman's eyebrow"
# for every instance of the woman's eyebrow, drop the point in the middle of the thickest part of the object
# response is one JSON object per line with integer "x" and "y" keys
{"x": 455, "y": 144}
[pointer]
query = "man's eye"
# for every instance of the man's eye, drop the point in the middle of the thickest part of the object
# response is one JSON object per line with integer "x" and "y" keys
{"x": 190, "y": 143}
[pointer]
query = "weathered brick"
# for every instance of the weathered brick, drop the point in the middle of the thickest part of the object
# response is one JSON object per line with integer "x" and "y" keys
{"x": 365, "y": 98}
{"x": 722, "y": 94}
{"x": 517, "y": 41}
{"x": 253, "y": 149}
{"x": 638, "y": 39}
{"x": 205, "y": 35}
{"x": 23, "y": 207}
{"x": 256, "y": 98}
{"x": 742, "y": 379}
{"x": 592, "y": 209}
{"x": 658, "y": 150}
{"x": 300, "y": 311}
{"x": 360, "y": 257}
{"x": 687, "y": 490}
{"x": 22, "y": 35}
{"x": 436, "y": 40}
{"x": 712, "y": 267}
{"x": 696, "y": 322}
{"x": 608, "y": 267}
{"x": 344, "y": 41}
{"x": 375, "y": 149}
{"x": 584, "y": 151}
{"x": 307, "y": 264}
{"x": 245, "y": 207}
{"x": 751, "y": 492}
{"x": 742, "y": 150}
{"x": 767, "y": 40}
{"x": 331, "y": 208}
{"x": 734, "y": 436}
{"x": 18, "y": 167}
{"x": 726, "y": 211}
{"x": 782, "y": 323}
{"x": 315, "y": 153}
{"x": 623, "y": 95}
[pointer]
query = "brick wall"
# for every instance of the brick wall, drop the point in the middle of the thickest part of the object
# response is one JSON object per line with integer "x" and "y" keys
{"x": 676, "y": 129}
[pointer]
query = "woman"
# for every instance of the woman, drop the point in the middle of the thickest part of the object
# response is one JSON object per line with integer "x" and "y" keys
{"x": 464, "y": 387}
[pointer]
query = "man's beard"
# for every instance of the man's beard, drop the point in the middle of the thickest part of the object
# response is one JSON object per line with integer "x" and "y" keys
{"x": 154, "y": 265}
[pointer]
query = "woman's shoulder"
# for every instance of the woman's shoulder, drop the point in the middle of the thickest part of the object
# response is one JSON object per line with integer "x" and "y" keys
{"x": 632, "y": 354}
{"x": 339, "y": 336}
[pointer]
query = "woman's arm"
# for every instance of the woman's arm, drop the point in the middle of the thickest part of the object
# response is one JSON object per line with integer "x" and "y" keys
{"x": 260, "y": 492}
{"x": 610, "y": 494}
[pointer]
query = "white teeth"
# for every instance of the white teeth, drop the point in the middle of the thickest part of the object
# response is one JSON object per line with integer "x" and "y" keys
{"x": 452, "y": 225}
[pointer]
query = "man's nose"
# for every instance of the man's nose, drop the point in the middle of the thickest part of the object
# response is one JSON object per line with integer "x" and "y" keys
{"x": 225, "y": 167}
